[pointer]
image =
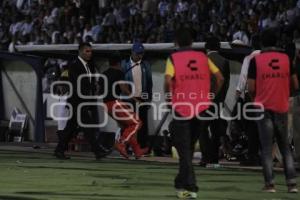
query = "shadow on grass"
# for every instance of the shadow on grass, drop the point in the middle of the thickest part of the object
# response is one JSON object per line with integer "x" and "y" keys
{"x": 225, "y": 174}
{"x": 7, "y": 197}
{"x": 112, "y": 176}
{"x": 58, "y": 194}
{"x": 10, "y": 157}
{"x": 78, "y": 169}
{"x": 221, "y": 198}
{"x": 223, "y": 181}
{"x": 59, "y": 168}
{"x": 227, "y": 189}
{"x": 84, "y": 196}
{"x": 140, "y": 186}
{"x": 261, "y": 198}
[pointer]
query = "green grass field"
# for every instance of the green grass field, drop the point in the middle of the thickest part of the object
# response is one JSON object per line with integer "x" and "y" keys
{"x": 36, "y": 176}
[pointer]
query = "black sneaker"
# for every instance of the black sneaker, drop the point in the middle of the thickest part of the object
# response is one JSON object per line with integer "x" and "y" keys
{"x": 102, "y": 154}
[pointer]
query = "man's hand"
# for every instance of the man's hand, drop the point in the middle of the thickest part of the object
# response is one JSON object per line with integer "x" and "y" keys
{"x": 251, "y": 88}
{"x": 167, "y": 86}
{"x": 219, "y": 81}
{"x": 137, "y": 100}
{"x": 238, "y": 94}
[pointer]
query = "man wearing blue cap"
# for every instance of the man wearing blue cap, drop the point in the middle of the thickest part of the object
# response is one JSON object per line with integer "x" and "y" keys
{"x": 138, "y": 72}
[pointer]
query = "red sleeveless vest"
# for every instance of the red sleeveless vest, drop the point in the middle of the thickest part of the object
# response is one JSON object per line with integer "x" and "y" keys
{"x": 273, "y": 81}
{"x": 191, "y": 84}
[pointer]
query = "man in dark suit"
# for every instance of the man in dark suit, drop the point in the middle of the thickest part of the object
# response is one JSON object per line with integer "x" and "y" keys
{"x": 80, "y": 75}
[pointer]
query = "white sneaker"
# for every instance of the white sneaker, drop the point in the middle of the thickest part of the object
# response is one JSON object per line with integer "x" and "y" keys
{"x": 269, "y": 188}
{"x": 184, "y": 194}
{"x": 292, "y": 189}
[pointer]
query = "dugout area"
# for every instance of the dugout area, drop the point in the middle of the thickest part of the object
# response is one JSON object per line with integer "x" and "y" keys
{"x": 22, "y": 75}
{"x": 22, "y": 78}
{"x": 21, "y": 87}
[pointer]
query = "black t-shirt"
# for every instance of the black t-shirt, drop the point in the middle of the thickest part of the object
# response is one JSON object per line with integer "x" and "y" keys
{"x": 223, "y": 65}
{"x": 113, "y": 75}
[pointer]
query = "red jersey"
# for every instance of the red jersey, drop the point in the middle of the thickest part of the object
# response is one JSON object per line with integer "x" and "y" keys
{"x": 272, "y": 80}
{"x": 191, "y": 86}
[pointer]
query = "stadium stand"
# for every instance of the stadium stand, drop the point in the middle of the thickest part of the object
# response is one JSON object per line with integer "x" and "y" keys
{"x": 150, "y": 21}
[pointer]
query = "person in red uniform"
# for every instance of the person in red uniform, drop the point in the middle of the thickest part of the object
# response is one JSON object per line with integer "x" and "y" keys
{"x": 120, "y": 111}
{"x": 187, "y": 81}
{"x": 269, "y": 77}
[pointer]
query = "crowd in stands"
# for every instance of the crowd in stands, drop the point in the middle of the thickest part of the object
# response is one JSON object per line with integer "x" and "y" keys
{"x": 149, "y": 21}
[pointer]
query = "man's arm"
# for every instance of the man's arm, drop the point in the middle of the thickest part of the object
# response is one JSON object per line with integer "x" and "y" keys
{"x": 149, "y": 81}
{"x": 251, "y": 88}
{"x": 226, "y": 75}
{"x": 219, "y": 81}
{"x": 295, "y": 82}
{"x": 294, "y": 79}
{"x": 123, "y": 66}
{"x": 252, "y": 79}
{"x": 241, "y": 86}
{"x": 73, "y": 76}
{"x": 167, "y": 84}
{"x": 168, "y": 88}
{"x": 101, "y": 85}
{"x": 218, "y": 76}
{"x": 125, "y": 90}
{"x": 169, "y": 74}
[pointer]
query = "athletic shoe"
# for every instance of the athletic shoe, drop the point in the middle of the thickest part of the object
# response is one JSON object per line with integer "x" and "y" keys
{"x": 292, "y": 188}
{"x": 100, "y": 155}
{"x": 121, "y": 147}
{"x": 184, "y": 194}
{"x": 138, "y": 152}
{"x": 270, "y": 188}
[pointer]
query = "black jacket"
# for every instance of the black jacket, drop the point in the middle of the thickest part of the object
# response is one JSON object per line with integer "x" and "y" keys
{"x": 87, "y": 87}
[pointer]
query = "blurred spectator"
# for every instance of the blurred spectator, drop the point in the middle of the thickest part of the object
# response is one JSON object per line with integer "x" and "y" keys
{"x": 181, "y": 6}
{"x": 241, "y": 34}
{"x": 148, "y": 21}
{"x": 148, "y": 7}
{"x": 87, "y": 32}
{"x": 24, "y": 6}
{"x": 27, "y": 26}
{"x": 163, "y": 7}
{"x": 272, "y": 22}
{"x": 110, "y": 18}
{"x": 97, "y": 29}
{"x": 194, "y": 11}
{"x": 15, "y": 26}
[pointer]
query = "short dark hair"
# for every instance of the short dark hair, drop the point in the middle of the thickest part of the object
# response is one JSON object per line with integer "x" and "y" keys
{"x": 213, "y": 43}
{"x": 268, "y": 37}
{"x": 83, "y": 45}
{"x": 114, "y": 58}
{"x": 183, "y": 37}
{"x": 255, "y": 42}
